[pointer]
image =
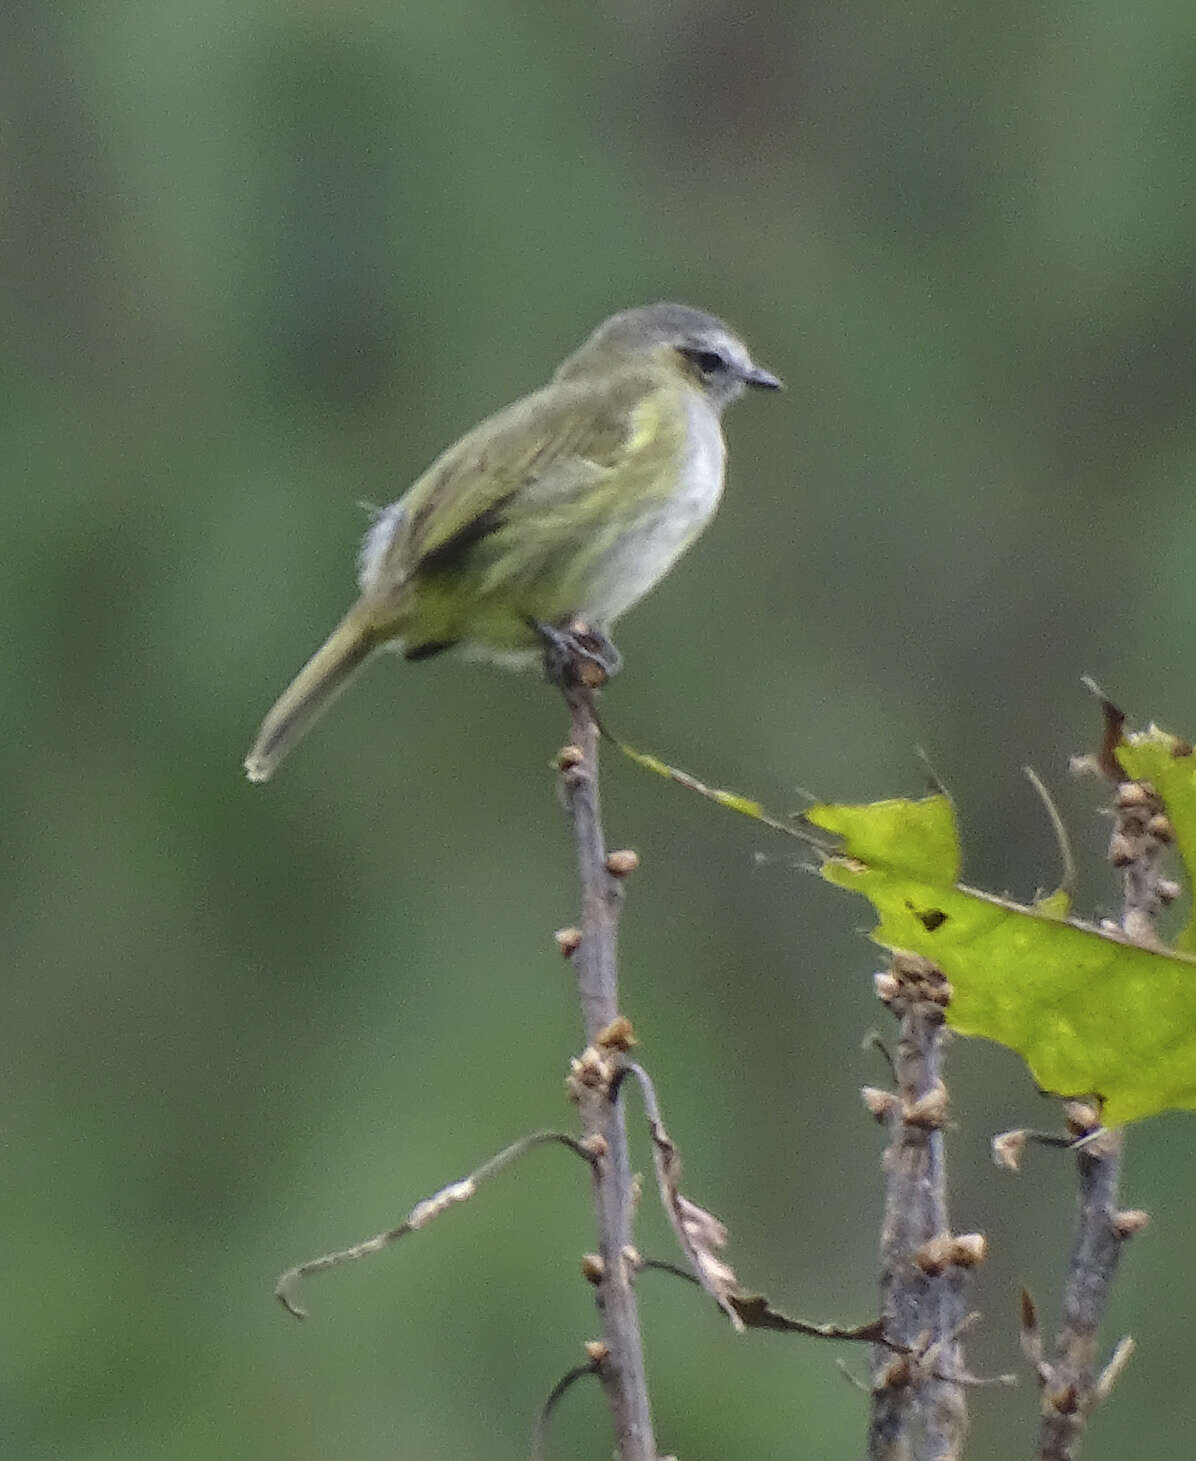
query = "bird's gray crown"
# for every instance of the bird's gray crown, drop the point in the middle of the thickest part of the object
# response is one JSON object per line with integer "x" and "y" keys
{"x": 719, "y": 360}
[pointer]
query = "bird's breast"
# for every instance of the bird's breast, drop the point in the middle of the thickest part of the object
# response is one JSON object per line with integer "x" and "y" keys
{"x": 670, "y": 518}
{"x": 705, "y": 460}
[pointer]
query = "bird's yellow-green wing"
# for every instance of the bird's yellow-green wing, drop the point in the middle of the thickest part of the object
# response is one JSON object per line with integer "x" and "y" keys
{"x": 570, "y": 438}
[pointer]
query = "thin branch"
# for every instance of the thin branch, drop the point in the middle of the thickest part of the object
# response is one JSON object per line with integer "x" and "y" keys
{"x": 1070, "y": 1388}
{"x": 853, "y": 1380}
{"x": 1067, "y": 861}
{"x": 596, "y": 968}
{"x": 918, "y": 1408}
{"x": 421, "y": 1214}
{"x": 564, "y": 1384}
{"x": 1008, "y": 1147}
{"x": 1071, "y": 1385}
{"x": 757, "y": 1313}
{"x": 674, "y": 1270}
{"x": 871, "y": 1332}
{"x": 873, "y": 1040}
{"x": 732, "y": 800}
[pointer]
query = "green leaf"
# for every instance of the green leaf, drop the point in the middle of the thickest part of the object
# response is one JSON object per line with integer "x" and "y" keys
{"x": 1090, "y": 1014}
{"x": 918, "y": 838}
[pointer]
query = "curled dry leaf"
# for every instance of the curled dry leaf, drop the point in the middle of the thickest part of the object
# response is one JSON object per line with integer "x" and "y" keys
{"x": 702, "y": 1237}
{"x": 699, "y": 1232}
{"x": 1114, "y": 724}
{"x": 757, "y": 1313}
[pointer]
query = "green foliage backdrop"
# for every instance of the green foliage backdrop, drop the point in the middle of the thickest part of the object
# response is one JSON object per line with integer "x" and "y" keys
{"x": 264, "y": 259}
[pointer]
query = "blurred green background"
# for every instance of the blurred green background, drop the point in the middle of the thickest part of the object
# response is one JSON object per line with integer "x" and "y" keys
{"x": 263, "y": 260}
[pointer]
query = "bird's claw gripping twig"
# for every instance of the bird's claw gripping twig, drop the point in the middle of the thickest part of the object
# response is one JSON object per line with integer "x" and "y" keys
{"x": 577, "y": 655}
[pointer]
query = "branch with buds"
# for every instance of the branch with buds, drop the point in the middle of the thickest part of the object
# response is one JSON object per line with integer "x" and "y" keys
{"x": 1071, "y": 1385}
{"x": 917, "y": 1395}
{"x": 592, "y": 952}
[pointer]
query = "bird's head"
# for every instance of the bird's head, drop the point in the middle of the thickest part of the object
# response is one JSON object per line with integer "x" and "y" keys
{"x": 698, "y": 346}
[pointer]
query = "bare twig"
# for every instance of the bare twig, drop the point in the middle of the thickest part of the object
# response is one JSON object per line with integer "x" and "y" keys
{"x": 757, "y": 1313}
{"x": 565, "y": 1383}
{"x": 421, "y": 1214}
{"x": 1008, "y": 1147}
{"x": 1067, "y": 873}
{"x": 732, "y": 800}
{"x": 595, "y": 965}
{"x": 918, "y": 1409}
{"x": 873, "y": 1040}
{"x": 1071, "y": 1387}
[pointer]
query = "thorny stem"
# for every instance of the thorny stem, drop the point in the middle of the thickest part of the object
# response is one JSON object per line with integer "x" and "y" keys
{"x": 1071, "y": 1387}
{"x": 595, "y": 965}
{"x": 917, "y": 1406}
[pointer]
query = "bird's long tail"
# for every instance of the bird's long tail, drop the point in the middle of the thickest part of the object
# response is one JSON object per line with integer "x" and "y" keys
{"x": 312, "y": 690}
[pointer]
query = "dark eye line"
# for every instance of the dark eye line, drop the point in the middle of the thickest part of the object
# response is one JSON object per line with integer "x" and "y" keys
{"x": 709, "y": 362}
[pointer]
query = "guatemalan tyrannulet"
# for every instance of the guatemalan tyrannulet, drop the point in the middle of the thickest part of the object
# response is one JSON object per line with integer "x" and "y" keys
{"x": 569, "y": 505}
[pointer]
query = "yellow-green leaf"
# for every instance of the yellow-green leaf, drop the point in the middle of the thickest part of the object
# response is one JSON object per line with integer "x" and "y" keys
{"x": 1090, "y": 1014}
{"x": 918, "y": 838}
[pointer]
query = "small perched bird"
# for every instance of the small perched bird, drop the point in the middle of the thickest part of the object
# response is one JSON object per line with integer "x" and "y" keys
{"x": 564, "y": 508}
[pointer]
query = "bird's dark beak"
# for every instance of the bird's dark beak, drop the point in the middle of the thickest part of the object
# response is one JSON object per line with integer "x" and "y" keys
{"x": 763, "y": 380}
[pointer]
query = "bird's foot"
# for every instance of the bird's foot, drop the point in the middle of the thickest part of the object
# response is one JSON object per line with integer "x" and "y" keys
{"x": 577, "y": 655}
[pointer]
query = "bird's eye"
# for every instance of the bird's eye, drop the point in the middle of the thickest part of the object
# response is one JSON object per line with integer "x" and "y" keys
{"x": 709, "y": 362}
